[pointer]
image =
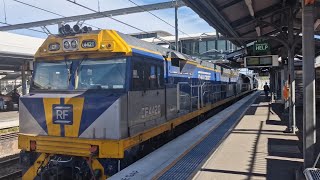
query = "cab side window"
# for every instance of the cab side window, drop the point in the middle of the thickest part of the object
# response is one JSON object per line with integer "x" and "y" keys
{"x": 138, "y": 76}
{"x": 147, "y": 76}
{"x": 153, "y": 77}
{"x": 160, "y": 78}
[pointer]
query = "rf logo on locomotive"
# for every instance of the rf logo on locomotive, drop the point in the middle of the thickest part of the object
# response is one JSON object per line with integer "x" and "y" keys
{"x": 62, "y": 114}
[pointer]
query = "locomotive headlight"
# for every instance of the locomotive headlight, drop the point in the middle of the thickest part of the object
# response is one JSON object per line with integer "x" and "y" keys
{"x": 70, "y": 44}
{"x": 74, "y": 44}
{"x": 66, "y": 44}
{"x": 54, "y": 47}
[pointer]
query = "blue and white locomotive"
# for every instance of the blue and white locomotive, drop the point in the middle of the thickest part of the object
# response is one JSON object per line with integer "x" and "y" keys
{"x": 96, "y": 97}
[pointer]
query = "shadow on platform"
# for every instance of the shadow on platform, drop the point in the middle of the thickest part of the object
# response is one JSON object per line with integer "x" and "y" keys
{"x": 279, "y": 169}
{"x": 284, "y": 148}
{"x": 284, "y": 155}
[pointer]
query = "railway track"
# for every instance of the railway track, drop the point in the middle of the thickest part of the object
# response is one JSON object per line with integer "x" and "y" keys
{"x": 8, "y": 136}
{"x": 9, "y": 168}
{"x": 5, "y": 162}
{"x": 12, "y": 175}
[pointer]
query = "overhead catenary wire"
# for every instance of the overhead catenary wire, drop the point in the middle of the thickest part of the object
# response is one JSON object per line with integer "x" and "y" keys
{"x": 45, "y": 10}
{"x": 83, "y": 6}
{"x": 141, "y": 30}
{"x": 158, "y": 17}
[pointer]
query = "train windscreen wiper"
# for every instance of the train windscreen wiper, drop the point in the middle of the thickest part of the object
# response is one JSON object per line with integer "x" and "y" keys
{"x": 85, "y": 57}
{"x": 68, "y": 69}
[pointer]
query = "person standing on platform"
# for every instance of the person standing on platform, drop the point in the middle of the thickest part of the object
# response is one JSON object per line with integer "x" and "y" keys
{"x": 266, "y": 89}
{"x": 15, "y": 96}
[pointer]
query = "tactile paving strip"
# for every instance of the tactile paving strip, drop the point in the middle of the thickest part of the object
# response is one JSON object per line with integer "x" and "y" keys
{"x": 315, "y": 173}
{"x": 185, "y": 167}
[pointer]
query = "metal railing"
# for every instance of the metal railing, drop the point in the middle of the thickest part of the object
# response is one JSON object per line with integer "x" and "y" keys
{"x": 190, "y": 92}
{"x": 191, "y": 97}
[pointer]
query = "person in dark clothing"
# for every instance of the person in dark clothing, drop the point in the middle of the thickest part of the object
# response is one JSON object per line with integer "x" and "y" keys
{"x": 15, "y": 96}
{"x": 266, "y": 90}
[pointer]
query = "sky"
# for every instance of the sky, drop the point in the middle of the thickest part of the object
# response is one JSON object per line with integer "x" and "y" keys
{"x": 189, "y": 21}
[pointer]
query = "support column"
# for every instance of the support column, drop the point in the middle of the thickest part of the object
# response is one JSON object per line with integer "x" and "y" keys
{"x": 176, "y": 26}
{"x": 271, "y": 83}
{"x": 23, "y": 79}
{"x": 309, "y": 110}
{"x": 292, "y": 82}
{"x": 285, "y": 82}
{"x": 276, "y": 84}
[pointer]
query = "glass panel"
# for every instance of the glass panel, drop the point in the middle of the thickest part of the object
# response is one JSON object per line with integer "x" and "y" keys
{"x": 221, "y": 45}
{"x": 202, "y": 47}
{"x": 187, "y": 50}
{"x": 102, "y": 74}
{"x": 211, "y": 45}
{"x": 195, "y": 48}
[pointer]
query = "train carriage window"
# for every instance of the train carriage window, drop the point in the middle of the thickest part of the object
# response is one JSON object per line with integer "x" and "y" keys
{"x": 152, "y": 77}
{"x": 138, "y": 76}
{"x": 160, "y": 78}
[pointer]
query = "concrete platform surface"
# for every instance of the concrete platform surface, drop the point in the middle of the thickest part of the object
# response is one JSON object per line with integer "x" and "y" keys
{"x": 256, "y": 149}
{"x": 9, "y": 119}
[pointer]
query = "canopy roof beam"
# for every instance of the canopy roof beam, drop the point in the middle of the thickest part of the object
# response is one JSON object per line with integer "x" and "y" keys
{"x": 258, "y": 15}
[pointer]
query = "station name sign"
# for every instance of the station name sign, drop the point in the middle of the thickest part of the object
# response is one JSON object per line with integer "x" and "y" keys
{"x": 261, "y": 61}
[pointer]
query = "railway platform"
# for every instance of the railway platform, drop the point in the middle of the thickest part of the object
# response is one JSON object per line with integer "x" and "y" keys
{"x": 256, "y": 148}
{"x": 9, "y": 119}
{"x": 244, "y": 141}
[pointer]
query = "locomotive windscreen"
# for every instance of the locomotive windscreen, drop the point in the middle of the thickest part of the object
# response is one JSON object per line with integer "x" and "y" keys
{"x": 80, "y": 74}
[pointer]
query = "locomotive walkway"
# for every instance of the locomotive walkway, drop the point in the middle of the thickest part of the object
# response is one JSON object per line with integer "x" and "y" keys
{"x": 245, "y": 141}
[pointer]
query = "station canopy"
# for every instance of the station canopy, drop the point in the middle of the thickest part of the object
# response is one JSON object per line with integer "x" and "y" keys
{"x": 16, "y": 50}
{"x": 242, "y": 21}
